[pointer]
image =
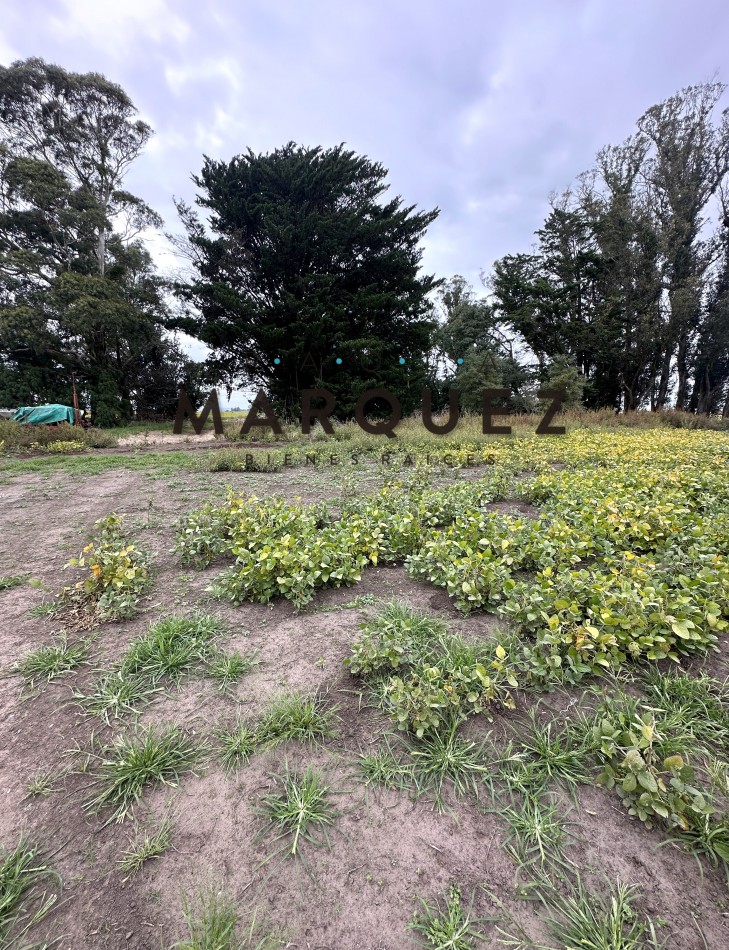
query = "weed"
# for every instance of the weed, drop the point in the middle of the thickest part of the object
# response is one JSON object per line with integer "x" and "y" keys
{"x": 445, "y": 758}
{"x": 41, "y": 784}
{"x": 382, "y": 767}
{"x": 43, "y": 610}
{"x": 536, "y": 828}
{"x": 143, "y": 849}
{"x": 228, "y": 668}
{"x": 213, "y": 923}
{"x": 135, "y": 761}
{"x": 48, "y": 662}
{"x": 239, "y": 744}
{"x": 116, "y": 694}
{"x": 297, "y": 717}
{"x": 300, "y": 812}
{"x": 549, "y": 755}
{"x": 172, "y": 647}
{"x": 10, "y": 581}
{"x": 21, "y": 906}
{"x": 577, "y": 919}
{"x": 448, "y": 928}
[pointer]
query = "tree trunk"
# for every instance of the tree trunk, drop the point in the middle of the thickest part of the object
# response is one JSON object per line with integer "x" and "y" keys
{"x": 660, "y": 402}
{"x": 682, "y": 371}
{"x": 101, "y": 251}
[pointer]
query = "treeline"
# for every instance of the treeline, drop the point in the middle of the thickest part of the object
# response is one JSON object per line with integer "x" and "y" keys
{"x": 302, "y": 273}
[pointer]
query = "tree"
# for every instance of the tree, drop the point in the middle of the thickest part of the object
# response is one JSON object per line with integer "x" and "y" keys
{"x": 78, "y": 292}
{"x": 470, "y": 333}
{"x": 687, "y": 164}
{"x": 624, "y": 279}
{"x": 307, "y": 263}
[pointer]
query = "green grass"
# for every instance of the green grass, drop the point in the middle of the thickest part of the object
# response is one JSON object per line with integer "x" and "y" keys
{"x": 145, "y": 848}
{"x": 382, "y": 767}
{"x": 48, "y": 662}
{"x": 214, "y": 923}
{"x": 297, "y": 717}
{"x": 137, "y": 761}
{"x": 699, "y": 703}
{"x": 8, "y": 582}
{"x": 445, "y": 759}
{"x": 537, "y": 831}
{"x": 549, "y": 754}
{"x": 300, "y": 812}
{"x": 22, "y": 904}
{"x": 238, "y": 744}
{"x": 41, "y": 785}
{"x": 78, "y": 466}
{"x": 228, "y": 668}
{"x": 446, "y": 928}
{"x": 116, "y": 694}
{"x": 172, "y": 647}
{"x": 579, "y": 920}
{"x": 707, "y": 838}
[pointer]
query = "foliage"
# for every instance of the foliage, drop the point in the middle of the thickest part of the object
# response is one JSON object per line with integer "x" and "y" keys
{"x": 78, "y": 292}
{"x": 347, "y": 285}
{"x": 118, "y": 574}
{"x": 651, "y": 786}
{"x": 621, "y": 283}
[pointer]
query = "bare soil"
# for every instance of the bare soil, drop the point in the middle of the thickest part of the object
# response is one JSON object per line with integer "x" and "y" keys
{"x": 386, "y": 849}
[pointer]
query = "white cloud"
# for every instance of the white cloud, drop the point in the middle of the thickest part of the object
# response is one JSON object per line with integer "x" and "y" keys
{"x": 7, "y": 53}
{"x": 178, "y": 76}
{"x": 113, "y": 28}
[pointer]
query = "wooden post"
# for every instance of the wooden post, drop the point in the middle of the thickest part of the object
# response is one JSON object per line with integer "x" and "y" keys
{"x": 77, "y": 414}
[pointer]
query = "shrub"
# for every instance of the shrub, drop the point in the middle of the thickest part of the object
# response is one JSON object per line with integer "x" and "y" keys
{"x": 117, "y": 574}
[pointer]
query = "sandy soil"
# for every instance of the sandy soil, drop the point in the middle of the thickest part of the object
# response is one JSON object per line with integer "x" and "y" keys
{"x": 386, "y": 848}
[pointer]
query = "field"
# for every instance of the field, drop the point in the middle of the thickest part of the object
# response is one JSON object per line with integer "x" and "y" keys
{"x": 471, "y": 693}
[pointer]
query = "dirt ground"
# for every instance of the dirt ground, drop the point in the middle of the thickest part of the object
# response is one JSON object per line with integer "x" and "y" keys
{"x": 386, "y": 849}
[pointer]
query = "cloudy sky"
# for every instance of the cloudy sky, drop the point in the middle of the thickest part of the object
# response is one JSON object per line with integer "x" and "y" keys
{"x": 478, "y": 108}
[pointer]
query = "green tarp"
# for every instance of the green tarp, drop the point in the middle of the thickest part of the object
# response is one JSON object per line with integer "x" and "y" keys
{"x": 44, "y": 415}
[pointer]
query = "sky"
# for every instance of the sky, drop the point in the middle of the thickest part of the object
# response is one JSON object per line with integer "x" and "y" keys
{"x": 481, "y": 109}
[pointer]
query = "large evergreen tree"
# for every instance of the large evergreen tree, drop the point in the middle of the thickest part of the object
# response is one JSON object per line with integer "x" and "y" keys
{"x": 308, "y": 263}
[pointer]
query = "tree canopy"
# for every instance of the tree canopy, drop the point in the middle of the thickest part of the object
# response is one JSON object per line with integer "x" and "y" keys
{"x": 307, "y": 276}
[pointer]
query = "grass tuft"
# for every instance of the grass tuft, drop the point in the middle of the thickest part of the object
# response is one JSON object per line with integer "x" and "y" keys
{"x": 577, "y": 919}
{"x": 138, "y": 760}
{"x": 116, "y": 694}
{"x": 10, "y": 581}
{"x": 146, "y": 848}
{"x": 381, "y": 766}
{"x": 48, "y": 662}
{"x": 300, "y": 811}
{"x": 297, "y": 717}
{"x": 213, "y": 923}
{"x": 551, "y": 755}
{"x": 444, "y": 758}
{"x": 239, "y": 744}
{"x": 228, "y": 668}
{"x": 172, "y": 647}
{"x": 21, "y": 906}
